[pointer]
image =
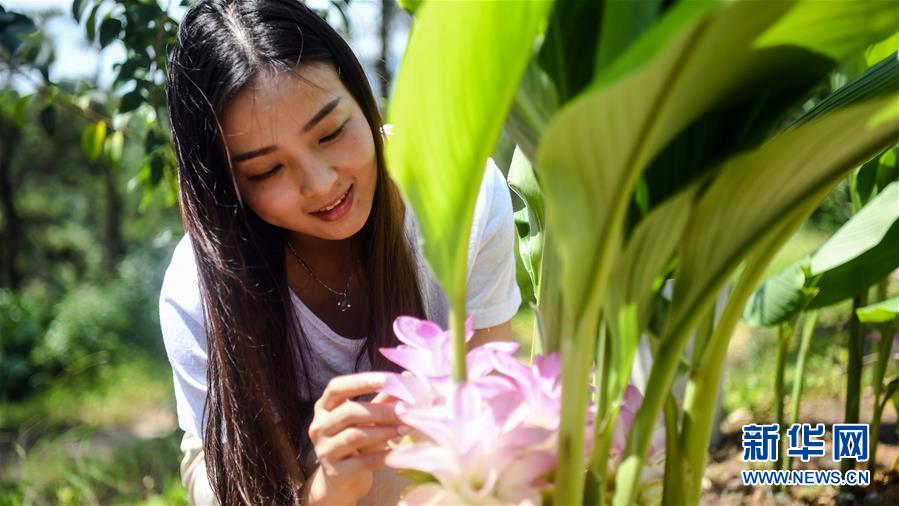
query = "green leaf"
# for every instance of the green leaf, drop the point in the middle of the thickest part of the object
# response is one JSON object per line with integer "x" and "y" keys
{"x": 483, "y": 48}
{"x": 126, "y": 71}
{"x": 881, "y": 79}
{"x": 888, "y": 169}
{"x": 890, "y": 390}
{"x": 622, "y": 23}
{"x": 528, "y": 221}
{"x": 882, "y": 312}
{"x": 91, "y": 25}
{"x": 78, "y": 9}
{"x": 624, "y": 321}
{"x": 780, "y": 297}
{"x": 110, "y": 29}
{"x": 19, "y": 112}
{"x": 48, "y": 119}
{"x": 595, "y": 149}
{"x": 157, "y": 169}
{"x": 752, "y": 200}
{"x": 14, "y": 27}
{"x": 679, "y": 20}
{"x": 410, "y": 6}
{"x": 113, "y": 149}
{"x": 131, "y": 101}
{"x": 861, "y": 252}
{"x": 92, "y": 140}
{"x": 754, "y": 191}
{"x": 152, "y": 141}
{"x": 865, "y": 183}
{"x": 836, "y": 29}
{"x": 883, "y": 49}
{"x": 701, "y": 147}
{"x": 567, "y": 54}
{"x": 534, "y": 105}
{"x": 646, "y": 257}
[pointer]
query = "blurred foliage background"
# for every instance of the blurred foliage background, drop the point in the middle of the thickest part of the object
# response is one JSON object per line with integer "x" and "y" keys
{"x": 88, "y": 221}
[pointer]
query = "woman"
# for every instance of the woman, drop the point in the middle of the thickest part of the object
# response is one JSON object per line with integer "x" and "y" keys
{"x": 299, "y": 255}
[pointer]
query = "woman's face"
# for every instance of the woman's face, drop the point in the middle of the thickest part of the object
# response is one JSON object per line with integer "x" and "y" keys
{"x": 302, "y": 153}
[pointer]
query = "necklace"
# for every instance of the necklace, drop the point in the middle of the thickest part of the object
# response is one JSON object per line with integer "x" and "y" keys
{"x": 344, "y": 303}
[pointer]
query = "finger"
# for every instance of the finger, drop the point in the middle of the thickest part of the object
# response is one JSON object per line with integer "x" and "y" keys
{"x": 350, "y": 441}
{"x": 376, "y": 447}
{"x": 341, "y": 388}
{"x": 359, "y": 413}
{"x": 365, "y": 462}
{"x": 384, "y": 398}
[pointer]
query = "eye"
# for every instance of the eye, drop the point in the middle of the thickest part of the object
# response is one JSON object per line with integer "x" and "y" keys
{"x": 333, "y": 135}
{"x": 265, "y": 175}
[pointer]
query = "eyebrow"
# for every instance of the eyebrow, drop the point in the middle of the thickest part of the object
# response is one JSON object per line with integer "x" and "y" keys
{"x": 324, "y": 111}
{"x": 320, "y": 115}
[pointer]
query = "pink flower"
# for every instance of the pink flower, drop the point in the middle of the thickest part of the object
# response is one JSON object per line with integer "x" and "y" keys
{"x": 472, "y": 452}
{"x": 427, "y": 353}
{"x": 652, "y": 478}
{"x": 492, "y": 439}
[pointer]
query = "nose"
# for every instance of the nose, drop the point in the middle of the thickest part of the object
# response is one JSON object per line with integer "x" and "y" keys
{"x": 316, "y": 179}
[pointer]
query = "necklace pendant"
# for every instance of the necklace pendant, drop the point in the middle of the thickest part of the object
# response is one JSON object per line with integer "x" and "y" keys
{"x": 344, "y": 304}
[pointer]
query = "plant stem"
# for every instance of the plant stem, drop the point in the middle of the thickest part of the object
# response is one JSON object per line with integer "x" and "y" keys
{"x": 808, "y": 330}
{"x": 536, "y": 340}
{"x": 884, "y": 347}
{"x": 785, "y": 337}
{"x": 459, "y": 349}
{"x": 674, "y": 479}
{"x": 705, "y": 377}
{"x": 577, "y": 355}
{"x": 606, "y": 416}
{"x": 600, "y": 457}
{"x": 856, "y": 347}
{"x": 549, "y": 297}
{"x": 660, "y": 379}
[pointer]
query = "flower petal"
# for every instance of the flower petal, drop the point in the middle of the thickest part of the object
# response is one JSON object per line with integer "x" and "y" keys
{"x": 431, "y": 493}
{"x": 430, "y": 459}
{"x": 422, "y": 334}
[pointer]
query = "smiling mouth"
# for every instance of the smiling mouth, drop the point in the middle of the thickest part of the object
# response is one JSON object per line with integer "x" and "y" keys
{"x": 336, "y": 202}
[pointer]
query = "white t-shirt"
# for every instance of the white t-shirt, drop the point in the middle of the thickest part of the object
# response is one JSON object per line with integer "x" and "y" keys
{"x": 493, "y": 298}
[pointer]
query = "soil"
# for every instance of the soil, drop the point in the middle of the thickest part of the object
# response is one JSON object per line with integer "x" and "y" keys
{"x": 722, "y": 484}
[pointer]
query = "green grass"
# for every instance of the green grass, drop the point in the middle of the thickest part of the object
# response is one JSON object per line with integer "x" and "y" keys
{"x": 110, "y": 440}
{"x": 112, "y": 398}
{"x": 83, "y": 466}
{"x": 749, "y": 378}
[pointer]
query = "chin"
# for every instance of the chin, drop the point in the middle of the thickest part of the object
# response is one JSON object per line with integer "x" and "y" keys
{"x": 339, "y": 232}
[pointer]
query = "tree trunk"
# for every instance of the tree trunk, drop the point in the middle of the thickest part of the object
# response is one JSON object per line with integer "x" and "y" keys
{"x": 11, "y": 232}
{"x": 113, "y": 245}
{"x": 387, "y": 10}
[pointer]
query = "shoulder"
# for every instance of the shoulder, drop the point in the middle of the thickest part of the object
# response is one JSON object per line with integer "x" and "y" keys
{"x": 493, "y": 210}
{"x": 180, "y": 292}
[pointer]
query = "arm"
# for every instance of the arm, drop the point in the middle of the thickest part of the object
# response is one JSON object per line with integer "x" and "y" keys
{"x": 183, "y": 331}
{"x": 493, "y": 296}
{"x": 501, "y": 332}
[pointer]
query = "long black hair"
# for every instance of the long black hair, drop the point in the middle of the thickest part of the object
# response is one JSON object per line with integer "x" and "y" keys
{"x": 259, "y": 405}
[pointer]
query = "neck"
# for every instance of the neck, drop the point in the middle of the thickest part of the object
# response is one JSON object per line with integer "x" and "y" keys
{"x": 329, "y": 259}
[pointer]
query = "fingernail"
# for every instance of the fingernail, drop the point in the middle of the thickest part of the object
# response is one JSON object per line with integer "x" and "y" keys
{"x": 403, "y": 430}
{"x": 377, "y": 380}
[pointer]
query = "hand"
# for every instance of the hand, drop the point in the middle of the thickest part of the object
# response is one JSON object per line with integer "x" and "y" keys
{"x": 348, "y": 437}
